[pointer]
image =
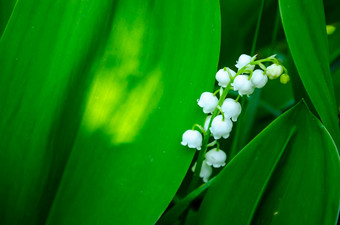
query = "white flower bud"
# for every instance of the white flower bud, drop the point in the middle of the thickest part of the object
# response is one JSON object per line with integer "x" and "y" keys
{"x": 206, "y": 123}
{"x": 223, "y": 76}
{"x": 258, "y": 79}
{"x": 243, "y": 85}
{"x": 206, "y": 171}
{"x": 208, "y": 102}
{"x": 215, "y": 158}
{"x": 192, "y": 138}
{"x": 231, "y": 109}
{"x": 244, "y": 60}
{"x": 220, "y": 128}
{"x": 274, "y": 71}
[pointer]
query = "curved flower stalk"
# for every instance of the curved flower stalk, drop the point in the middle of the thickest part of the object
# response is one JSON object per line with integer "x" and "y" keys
{"x": 222, "y": 112}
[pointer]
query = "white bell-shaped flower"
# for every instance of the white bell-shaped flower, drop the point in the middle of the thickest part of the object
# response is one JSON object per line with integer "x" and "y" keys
{"x": 208, "y": 102}
{"x": 221, "y": 128}
{"x": 192, "y": 138}
{"x": 216, "y": 158}
{"x": 258, "y": 79}
{"x": 206, "y": 171}
{"x": 231, "y": 109}
{"x": 274, "y": 71}
{"x": 206, "y": 123}
{"x": 243, "y": 85}
{"x": 223, "y": 76}
{"x": 244, "y": 60}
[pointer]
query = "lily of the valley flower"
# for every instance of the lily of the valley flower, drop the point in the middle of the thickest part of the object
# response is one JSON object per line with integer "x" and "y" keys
{"x": 258, "y": 79}
{"x": 222, "y": 112}
{"x": 231, "y": 109}
{"x": 221, "y": 128}
{"x": 274, "y": 71}
{"x": 243, "y": 85}
{"x": 215, "y": 158}
{"x": 192, "y": 138}
{"x": 205, "y": 172}
{"x": 208, "y": 102}
{"x": 244, "y": 60}
{"x": 223, "y": 76}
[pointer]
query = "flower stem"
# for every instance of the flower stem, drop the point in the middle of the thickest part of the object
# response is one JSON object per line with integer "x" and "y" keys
{"x": 257, "y": 28}
{"x": 201, "y": 155}
{"x": 199, "y": 127}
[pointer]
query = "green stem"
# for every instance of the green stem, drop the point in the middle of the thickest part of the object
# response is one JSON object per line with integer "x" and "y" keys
{"x": 234, "y": 146}
{"x": 257, "y": 28}
{"x": 199, "y": 127}
{"x": 222, "y": 113}
{"x": 250, "y": 75}
{"x": 212, "y": 143}
{"x": 181, "y": 206}
{"x": 201, "y": 154}
{"x": 276, "y": 28}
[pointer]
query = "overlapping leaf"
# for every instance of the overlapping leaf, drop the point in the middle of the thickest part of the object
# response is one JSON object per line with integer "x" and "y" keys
{"x": 286, "y": 175}
{"x": 104, "y": 89}
{"x": 305, "y": 29}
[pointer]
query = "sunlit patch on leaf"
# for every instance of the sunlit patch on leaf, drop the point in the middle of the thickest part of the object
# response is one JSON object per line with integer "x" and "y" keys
{"x": 119, "y": 111}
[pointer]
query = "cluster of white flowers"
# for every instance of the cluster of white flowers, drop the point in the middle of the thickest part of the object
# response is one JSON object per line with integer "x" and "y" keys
{"x": 222, "y": 112}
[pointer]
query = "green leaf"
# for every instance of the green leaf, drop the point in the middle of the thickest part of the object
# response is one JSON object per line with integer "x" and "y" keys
{"x": 288, "y": 174}
{"x": 95, "y": 95}
{"x": 6, "y": 8}
{"x": 305, "y": 29}
{"x": 46, "y": 51}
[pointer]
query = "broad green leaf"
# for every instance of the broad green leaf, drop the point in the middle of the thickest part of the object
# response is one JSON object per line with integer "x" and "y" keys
{"x": 46, "y": 51}
{"x": 305, "y": 28}
{"x": 287, "y": 175}
{"x": 127, "y": 163}
{"x": 103, "y": 90}
{"x": 6, "y": 8}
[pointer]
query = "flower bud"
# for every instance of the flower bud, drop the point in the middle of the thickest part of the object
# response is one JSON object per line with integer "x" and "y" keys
{"x": 220, "y": 128}
{"x": 244, "y": 60}
{"x": 206, "y": 171}
{"x": 223, "y": 76}
{"x": 231, "y": 109}
{"x": 215, "y": 158}
{"x": 284, "y": 78}
{"x": 243, "y": 85}
{"x": 208, "y": 102}
{"x": 192, "y": 138}
{"x": 274, "y": 71}
{"x": 258, "y": 79}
